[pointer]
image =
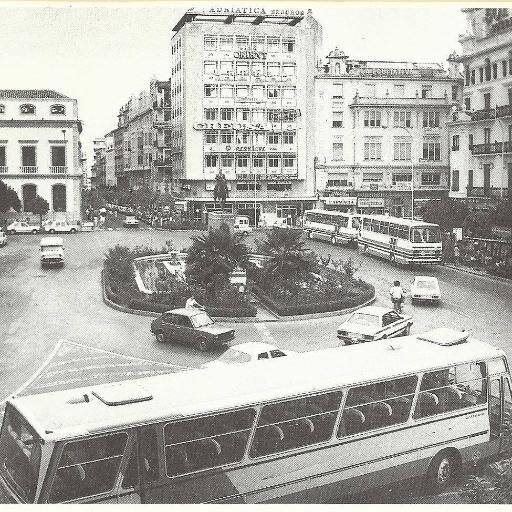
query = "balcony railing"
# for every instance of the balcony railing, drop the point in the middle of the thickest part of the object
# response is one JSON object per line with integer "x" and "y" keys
{"x": 479, "y": 115}
{"x": 493, "y": 192}
{"x": 4, "y": 169}
{"x": 28, "y": 169}
{"x": 58, "y": 169}
{"x": 492, "y": 148}
{"x": 504, "y": 111}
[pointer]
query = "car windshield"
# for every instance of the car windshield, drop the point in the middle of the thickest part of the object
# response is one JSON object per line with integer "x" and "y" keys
{"x": 234, "y": 356}
{"x": 425, "y": 234}
{"x": 21, "y": 454}
{"x": 429, "y": 285}
{"x": 201, "y": 320}
{"x": 364, "y": 319}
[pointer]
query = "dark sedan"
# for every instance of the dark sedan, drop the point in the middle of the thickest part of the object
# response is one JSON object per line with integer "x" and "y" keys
{"x": 190, "y": 326}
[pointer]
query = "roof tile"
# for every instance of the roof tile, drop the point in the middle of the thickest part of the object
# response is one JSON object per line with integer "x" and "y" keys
{"x": 30, "y": 94}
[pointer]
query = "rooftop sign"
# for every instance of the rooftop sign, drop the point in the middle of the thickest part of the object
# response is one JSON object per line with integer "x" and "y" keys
{"x": 256, "y": 11}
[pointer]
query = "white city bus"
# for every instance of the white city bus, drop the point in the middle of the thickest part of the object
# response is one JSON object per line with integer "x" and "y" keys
{"x": 311, "y": 428}
{"x": 336, "y": 227}
{"x": 400, "y": 240}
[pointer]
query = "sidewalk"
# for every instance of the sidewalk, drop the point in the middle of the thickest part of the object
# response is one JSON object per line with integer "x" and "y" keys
{"x": 475, "y": 271}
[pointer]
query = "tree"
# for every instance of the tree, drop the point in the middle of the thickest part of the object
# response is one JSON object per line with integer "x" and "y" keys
{"x": 478, "y": 224}
{"x": 213, "y": 253}
{"x": 288, "y": 257}
{"x": 38, "y": 206}
{"x": 502, "y": 216}
{"x": 446, "y": 212}
{"x": 8, "y": 198}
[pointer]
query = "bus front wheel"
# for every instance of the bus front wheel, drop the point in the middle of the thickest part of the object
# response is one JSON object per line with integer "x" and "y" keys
{"x": 443, "y": 471}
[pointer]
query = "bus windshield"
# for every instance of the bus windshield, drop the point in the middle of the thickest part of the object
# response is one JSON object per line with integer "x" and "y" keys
{"x": 425, "y": 234}
{"x": 21, "y": 451}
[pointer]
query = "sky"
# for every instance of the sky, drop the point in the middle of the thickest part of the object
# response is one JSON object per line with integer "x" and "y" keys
{"x": 102, "y": 53}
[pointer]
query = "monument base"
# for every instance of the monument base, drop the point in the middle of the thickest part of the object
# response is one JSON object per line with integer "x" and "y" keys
{"x": 217, "y": 219}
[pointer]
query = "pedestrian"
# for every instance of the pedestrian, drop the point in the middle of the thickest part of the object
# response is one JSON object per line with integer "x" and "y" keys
{"x": 191, "y": 303}
{"x": 456, "y": 253}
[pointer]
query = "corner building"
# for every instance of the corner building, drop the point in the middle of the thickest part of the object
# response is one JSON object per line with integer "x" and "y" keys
{"x": 242, "y": 95}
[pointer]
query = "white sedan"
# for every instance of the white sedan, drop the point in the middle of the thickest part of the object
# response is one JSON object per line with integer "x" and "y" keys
{"x": 373, "y": 323}
{"x": 22, "y": 227}
{"x": 247, "y": 352}
{"x": 131, "y": 222}
{"x": 60, "y": 226}
{"x": 425, "y": 288}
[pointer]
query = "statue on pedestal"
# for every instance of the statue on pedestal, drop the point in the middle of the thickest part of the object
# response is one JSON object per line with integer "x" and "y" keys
{"x": 220, "y": 192}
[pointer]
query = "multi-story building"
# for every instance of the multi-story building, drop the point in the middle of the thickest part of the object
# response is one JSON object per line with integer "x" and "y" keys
{"x": 99, "y": 162}
{"x": 382, "y": 135}
{"x": 110, "y": 177}
{"x": 142, "y": 140}
{"x": 242, "y": 96}
{"x": 481, "y": 134}
{"x": 40, "y": 152}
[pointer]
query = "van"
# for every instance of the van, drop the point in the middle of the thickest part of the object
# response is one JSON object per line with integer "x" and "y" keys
{"x": 52, "y": 251}
{"x": 242, "y": 224}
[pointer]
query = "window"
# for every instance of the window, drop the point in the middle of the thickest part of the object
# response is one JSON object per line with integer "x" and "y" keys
{"x": 226, "y": 67}
{"x": 504, "y": 67}
{"x": 201, "y": 443}
{"x": 28, "y": 156}
{"x": 58, "y": 109}
{"x": 473, "y": 77}
{"x": 431, "y": 178}
{"x": 273, "y": 44}
{"x": 257, "y": 68}
{"x": 402, "y": 149}
{"x": 377, "y": 405}
{"x": 372, "y": 177}
{"x": 210, "y": 137}
{"x": 27, "y": 109}
{"x": 495, "y": 70}
{"x": 273, "y": 68}
{"x": 226, "y": 114}
{"x": 402, "y": 119}
{"x": 210, "y": 91}
{"x": 288, "y": 137}
{"x": 372, "y": 118}
{"x": 242, "y": 42}
{"x": 337, "y": 119}
{"x": 294, "y": 423}
{"x": 337, "y": 183}
{"x": 273, "y": 161}
{"x": 455, "y": 92}
{"x": 272, "y": 92}
{"x": 370, "y": 90}
{"x": 148, "y": 452}
{"x": 210, "y": 68}
{"x": 243, "y": 137}
{"x": 398, "y": 90}
{"x": 288, "y": 45}
{"x": 487, "y": 135}
{"x": 279, "y": 187}
{"x": 226, "y": 91}
{"x": 58, "y": 156}
{"x": 372, "y": 150}
{"x": 487, "y": 69}
{"x": 225, "y": 42}
{"x": 451, "y": 389}
{"x": 242, "y": 91}
{"x": 289, "y": 93}
{"x": 481, "y": 74}
{"x": 431, "y": 119}
{"x": 426, "y": 91}
{"x": 82, "y": 462}
{"x": 242, "y": 161}
{"x": 243, "y": 114}
{"x": 258, "y": 43}
{"x": 2, "y": 109}
{"x": 455, "y": 181}
{"x": 247, "y": 187}
{"x": 258, "y": 91}
{"x": 288, "y": 161}
{"x": 337, "y": 151}
{"x": 242, "y": 68}
{"x": 226, "y": 137}
{"x": 455, "y": 142}
{"x": 210, "y": 161}
{"x": 432, "y": 151}
{"x": 401, "y": 178}
{"x": 258, "y": 162}
{"x": 210, "y": 114}
{"x": 226, "y": 161}
{"x": 2, "y": 157}
{"x": 258, "y": 116}
{"x": 210, "y": 42}
{"x": 273, "y": 138}
{"x": 467, "y": 103}
{"x": 289, "y": 69}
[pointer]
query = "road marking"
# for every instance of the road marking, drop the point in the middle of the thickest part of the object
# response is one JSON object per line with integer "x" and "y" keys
{"x": 265, "y": 333}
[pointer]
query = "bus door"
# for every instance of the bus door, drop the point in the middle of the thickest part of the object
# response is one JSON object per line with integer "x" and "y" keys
{"x": 142, "y": 472}
{"x": 500, "y": 413}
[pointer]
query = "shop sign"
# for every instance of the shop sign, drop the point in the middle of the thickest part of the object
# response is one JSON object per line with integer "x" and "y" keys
{"x": 250, "y": 54}
{"x": 258, "y": 11}
{"x": 342, "y": 201}
{"x": 243, "y": 126}
{"x": 269, "y": 177}
{"x": 370, "y": 202}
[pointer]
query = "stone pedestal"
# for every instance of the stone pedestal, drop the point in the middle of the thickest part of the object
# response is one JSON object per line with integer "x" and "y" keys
{"x": 217, "y": 219}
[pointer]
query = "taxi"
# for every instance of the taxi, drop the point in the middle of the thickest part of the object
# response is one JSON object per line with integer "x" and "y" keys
{"x": 373, "y": 323}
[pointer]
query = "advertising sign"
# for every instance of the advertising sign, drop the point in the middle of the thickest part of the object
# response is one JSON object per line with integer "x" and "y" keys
{"x": 370, "y": 202}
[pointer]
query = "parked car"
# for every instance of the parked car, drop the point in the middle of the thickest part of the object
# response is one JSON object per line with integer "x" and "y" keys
{"x": 247, "y": 352}
{"x": 373, "y": 323}
{"x": 131, "y": 222}
{"x": 3, "y": 238}
{"x": 190, "y": 326}
{"x": 425, "y": 288}
{"x": 22, "y": 227}
{"x": 60, "y": 226}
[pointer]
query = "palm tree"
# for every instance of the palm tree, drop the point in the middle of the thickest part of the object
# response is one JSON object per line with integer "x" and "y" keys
{"x": 213, "y": 253}
{"x": 288, "y": 257}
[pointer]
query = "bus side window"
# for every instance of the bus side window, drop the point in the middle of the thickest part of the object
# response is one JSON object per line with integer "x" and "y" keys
{"x": 88, "y": 467}
{"x": 149, "y": 457}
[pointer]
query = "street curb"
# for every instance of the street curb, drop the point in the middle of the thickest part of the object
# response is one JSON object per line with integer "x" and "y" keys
{"x": 476, "y": 273}
{"x": 240, "y": 320}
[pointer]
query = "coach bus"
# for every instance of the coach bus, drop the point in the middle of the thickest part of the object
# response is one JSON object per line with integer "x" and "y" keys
{"x": 399, "y": 240}
{"x": 312, "y": 428}
{"x": 335, "y": 227}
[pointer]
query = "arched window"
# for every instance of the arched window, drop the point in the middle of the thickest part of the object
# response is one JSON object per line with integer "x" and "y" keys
{"x": 29, "y": 192}
{"x": 2, "y": 109}
{"x": 59, "y": 198}
{"x": 337, "y": 68}
{"x": 58, "y": 109}
{"x": 27, "y": 108}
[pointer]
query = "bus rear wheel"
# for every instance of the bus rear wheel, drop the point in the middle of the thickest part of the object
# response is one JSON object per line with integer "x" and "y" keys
{"x": 442, "y": 472}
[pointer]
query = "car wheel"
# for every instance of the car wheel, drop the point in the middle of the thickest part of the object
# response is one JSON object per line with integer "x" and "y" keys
{"x": 392, "y": 259}
{"x": 12, "y": 231}
{"x": 34, "y": 231}
{"x": 442, "y": 472}
{"x": 202, "y": 345}
{"x": 72, "y": 231}
{"x": 160, "y": 337}
{"x": 52, "y": 231}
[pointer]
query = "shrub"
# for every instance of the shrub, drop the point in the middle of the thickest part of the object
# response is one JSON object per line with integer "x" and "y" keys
{"x": 495, "y": 486}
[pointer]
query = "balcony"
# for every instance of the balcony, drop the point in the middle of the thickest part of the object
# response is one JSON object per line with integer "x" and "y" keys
{"x": 160, "y": 123}
{"x": 491, "y": 192}
{"x": 4, "y": 169}
{"x": 480, "y": 115}
{"x": 401, "y": 102}
{"x": 492, "y": 148}
{"x": 28, "y": 169}
{"x": 504, "y": 111}
{"x": 163, "y": 163}
{"x": 58, "y": 169}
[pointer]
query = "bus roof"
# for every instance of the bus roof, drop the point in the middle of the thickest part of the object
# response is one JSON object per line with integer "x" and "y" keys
{"x": 330, "y": 212}
{"x": 84, "y": 411}
{"x": 399, "y": 220}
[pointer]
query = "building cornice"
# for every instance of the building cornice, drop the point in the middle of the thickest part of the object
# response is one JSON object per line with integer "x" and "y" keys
{"x": 40, "y": 123}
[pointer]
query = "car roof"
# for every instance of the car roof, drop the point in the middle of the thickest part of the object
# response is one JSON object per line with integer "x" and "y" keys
{"x": 373, "y": 310}
{"x": 253, "y": 347}
{"x": 52, "y": 240}
{"x": 186, "y": 311}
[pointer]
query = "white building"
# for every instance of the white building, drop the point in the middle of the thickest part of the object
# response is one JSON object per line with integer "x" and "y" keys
{"x": 40, "y": 148}
{"x": 382, "y": 137}
{"x": 242, "y": 95}
{"x": 481, "y": 135}
{"x": 110, "y": 177}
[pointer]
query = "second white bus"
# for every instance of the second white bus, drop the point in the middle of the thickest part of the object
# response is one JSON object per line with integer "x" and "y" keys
{"x": 335, "y": 227}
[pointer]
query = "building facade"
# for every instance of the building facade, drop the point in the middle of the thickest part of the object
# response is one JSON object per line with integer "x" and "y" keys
{"x": 110, "y": 176}
{"x": 382, "y": 133}
{"x": 40, "y": 151}
{"x": 99, "y": 163}
{"x": 142, "y": 140}
{"x": 242, "y": 95}
{"x": 481, "y": 133}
